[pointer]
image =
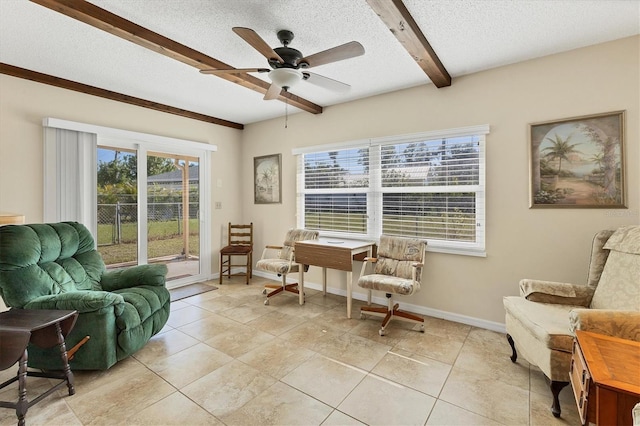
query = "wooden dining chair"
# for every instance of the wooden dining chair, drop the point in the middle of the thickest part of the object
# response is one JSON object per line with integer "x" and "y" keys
{"x": 239, "y": 243}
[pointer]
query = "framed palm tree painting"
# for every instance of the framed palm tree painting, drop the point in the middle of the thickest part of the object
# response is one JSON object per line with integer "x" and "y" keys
{"x": 578, "y": 162}
{"x": 267, "y": 179}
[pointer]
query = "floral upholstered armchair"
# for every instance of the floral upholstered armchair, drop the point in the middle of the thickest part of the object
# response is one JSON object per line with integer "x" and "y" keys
{"x": 280, "y": 260}
{"x": 542, "y": 321}
{"x": 397, "y": 270}
{"x": 56, "y": 266}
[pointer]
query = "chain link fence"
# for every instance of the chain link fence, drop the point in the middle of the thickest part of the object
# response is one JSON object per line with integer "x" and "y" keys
{"x": 117, "y": 222}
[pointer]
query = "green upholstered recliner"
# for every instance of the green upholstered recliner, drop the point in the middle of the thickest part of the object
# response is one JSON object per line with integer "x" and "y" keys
{"x": 56, "y": 266}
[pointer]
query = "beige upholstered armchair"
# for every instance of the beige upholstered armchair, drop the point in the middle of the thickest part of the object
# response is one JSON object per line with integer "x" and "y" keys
{"x": 542, "y": 321}
{"x": 281, "y": 260}
{"x": 397, "y": 270}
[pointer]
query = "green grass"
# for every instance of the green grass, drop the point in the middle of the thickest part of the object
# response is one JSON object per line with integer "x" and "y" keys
{"x": 155, "y": 230}
{"x": 163, "y": 237}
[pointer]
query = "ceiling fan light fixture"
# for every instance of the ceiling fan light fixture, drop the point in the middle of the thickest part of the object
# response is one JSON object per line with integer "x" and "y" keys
{"x": 285, "y": 77}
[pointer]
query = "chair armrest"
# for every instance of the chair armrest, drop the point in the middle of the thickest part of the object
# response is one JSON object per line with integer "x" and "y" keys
{"x": 135, "y": 276}
{"x": 366, "y": 261}
{"x": 556, "y": 292}
{"x": 623, "y": 324}
{"x": 81, "y": 301}
{"x": 269, "y": 248}
{"x": 416, "y": 272}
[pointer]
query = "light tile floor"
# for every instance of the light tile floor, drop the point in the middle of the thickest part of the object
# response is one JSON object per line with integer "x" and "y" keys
{"x": 226, "y": 359}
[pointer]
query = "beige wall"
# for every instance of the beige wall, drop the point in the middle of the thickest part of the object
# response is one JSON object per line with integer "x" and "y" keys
{"x": 521, "y": 242}
{"x": 546, "y": 244}
{"x": 23, "y": 105}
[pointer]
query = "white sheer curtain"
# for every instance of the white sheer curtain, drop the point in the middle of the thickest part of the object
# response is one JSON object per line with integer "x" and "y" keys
{"x": 70, "y": 176}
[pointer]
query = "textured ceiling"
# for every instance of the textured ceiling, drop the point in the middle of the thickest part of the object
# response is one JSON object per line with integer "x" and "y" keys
{"x": 467, "y": 35}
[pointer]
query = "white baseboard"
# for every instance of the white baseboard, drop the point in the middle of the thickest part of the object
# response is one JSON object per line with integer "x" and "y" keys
{"x": 418, "y": 309}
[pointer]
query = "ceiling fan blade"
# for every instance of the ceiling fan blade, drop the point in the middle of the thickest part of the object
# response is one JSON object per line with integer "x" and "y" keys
{"x": 257, "y": 43}
{"x": 234, "y": 71}
{"x": 325, "y": 82}
{"x": 338, "y": 53}
{"x": 273, "y": 92}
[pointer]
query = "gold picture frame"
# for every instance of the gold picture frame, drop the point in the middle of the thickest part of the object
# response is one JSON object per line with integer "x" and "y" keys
{"x": 267, "y": 179}
{"x": 578, "y": 162}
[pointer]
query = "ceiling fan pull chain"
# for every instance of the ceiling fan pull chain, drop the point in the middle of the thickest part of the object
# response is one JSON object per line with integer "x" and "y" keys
{"x": 286, "y": 112}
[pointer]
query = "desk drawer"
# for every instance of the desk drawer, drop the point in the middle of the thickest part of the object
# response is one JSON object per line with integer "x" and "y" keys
{"x": 580, "y": 381}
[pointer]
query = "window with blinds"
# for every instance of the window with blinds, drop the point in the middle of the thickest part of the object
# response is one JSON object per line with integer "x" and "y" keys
{"x": 428, "y": 186}
{"x": 335, "y": 190}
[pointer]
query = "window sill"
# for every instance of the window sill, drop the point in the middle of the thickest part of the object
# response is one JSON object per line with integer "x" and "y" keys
{"x": 457, "y": 250}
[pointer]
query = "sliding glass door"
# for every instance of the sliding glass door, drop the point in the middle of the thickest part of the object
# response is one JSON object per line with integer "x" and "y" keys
{"x": 117, "y": 209}
{"x": 145, "y": 198}
{"x": 173, "y": 209}
{"x": 149, "y": 214}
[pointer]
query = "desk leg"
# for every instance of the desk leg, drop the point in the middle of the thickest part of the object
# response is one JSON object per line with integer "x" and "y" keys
{"x": 324, "y": 281}
{"x": 65, "y": 360}
{"x": 349, "y": 289}
{"x": 350, "y": 283}
{"x": 301, "y": 284}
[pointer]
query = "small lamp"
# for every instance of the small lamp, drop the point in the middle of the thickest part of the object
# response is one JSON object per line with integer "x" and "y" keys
{"x": 11, "y": 218}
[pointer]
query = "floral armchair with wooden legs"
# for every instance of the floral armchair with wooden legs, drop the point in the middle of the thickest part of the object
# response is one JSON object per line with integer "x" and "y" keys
{"x": 542, "y": 321}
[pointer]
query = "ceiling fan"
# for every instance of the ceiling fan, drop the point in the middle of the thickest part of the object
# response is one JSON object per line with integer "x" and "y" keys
{"x": 289, "y": 66}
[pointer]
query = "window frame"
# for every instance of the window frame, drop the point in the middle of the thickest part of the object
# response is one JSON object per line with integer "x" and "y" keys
{"x": 375, "y": 191}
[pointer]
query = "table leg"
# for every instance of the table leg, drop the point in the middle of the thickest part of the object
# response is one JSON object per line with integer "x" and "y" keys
{"x": 324, "y": 281}
{"x": 350, "y": 282}
{"x": 65, "y": 360}
{"x": 349, "y": 289}
{"x": 301, "y": 284}
{"x": 22, "y": 405}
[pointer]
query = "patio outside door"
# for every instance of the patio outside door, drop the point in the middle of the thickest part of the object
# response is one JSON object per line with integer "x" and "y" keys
{"x": 149, "y": 215}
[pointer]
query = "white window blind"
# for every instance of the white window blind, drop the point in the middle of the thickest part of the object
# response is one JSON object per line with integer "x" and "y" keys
{"x": 428, "y": 186}
{"x": 335, "y": 186}
{"x": 430, "y": 189}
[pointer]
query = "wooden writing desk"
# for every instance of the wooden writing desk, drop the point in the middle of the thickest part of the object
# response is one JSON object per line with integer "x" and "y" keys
{"x": 333, "y": 253}
{"x": 605, "y": 376}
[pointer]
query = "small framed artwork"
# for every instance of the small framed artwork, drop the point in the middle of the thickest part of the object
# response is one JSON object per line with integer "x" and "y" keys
{"x": 267, "y": 179}
{"x": 578, "y": 162}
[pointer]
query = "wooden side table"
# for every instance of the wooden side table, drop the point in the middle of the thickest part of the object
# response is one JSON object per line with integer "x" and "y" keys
{"x": 43, "y": 328}
{"x": 605, "y": 376}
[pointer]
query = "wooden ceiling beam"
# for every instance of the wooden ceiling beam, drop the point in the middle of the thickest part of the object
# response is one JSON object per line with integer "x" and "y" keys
{"x": 398, "y": 19}
{"x": 108, "y": 94}
{"x": 100, "y": 18}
